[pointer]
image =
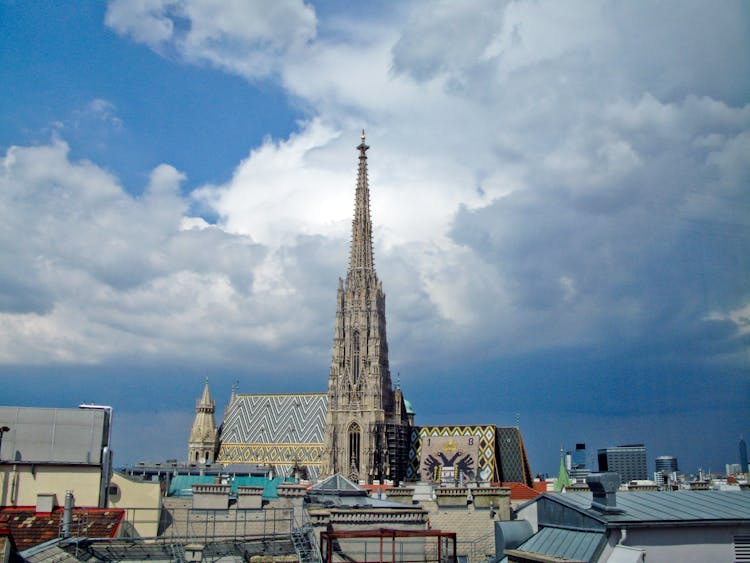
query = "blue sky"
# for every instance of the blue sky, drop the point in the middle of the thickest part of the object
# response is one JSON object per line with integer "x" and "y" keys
{"x": 560, "y": 201}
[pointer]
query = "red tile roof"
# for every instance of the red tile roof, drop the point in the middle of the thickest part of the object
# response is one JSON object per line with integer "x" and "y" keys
{"x": 519, "y": 491}
{"x": 29, "y": 528}
{"x": 541, "y": 486}
{"x": 374, "y": 488}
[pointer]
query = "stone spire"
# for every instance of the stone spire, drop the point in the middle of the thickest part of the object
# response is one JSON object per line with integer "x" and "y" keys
{"x": 204, "y": 436}
{"x": 365, "y": 428}
{"x": 361, "y": 259}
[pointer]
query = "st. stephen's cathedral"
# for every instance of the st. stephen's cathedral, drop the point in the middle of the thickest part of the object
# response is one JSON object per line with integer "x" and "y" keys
{"x": 363, "y": 427}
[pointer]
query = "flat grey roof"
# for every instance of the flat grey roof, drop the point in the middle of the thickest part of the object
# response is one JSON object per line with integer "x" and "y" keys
{"x": 666, "y": 506}
{"x": 39, "y": 435}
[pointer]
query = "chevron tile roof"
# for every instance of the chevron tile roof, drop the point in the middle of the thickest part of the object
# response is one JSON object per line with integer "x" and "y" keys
{"x": 276, "y": 419}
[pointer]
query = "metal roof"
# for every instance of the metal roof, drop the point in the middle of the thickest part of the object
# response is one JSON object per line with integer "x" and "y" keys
{"x": 338, "y": 484}
{"x": 39, "y": 435}
{"x": 666, "y": 506}
{"x": 182, "y": 485}
{"x": 571, "y": 544}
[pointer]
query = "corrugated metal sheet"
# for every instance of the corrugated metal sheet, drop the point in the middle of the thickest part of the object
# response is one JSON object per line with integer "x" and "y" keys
{"x": 39, "y": 435}
{"x": 674, "y": 506}
{"x": 581, "y": 546}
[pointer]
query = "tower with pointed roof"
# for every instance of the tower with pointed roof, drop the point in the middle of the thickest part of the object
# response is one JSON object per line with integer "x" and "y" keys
{"x": 367, "y": 426}
{"x": 204, "y": 436}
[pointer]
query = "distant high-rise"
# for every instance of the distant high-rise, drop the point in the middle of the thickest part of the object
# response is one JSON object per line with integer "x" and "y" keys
{"x": 666, "y": 463}
{"x": 578, "y": 468}
{"x": 743, "y": 456}
{"x": 666, "y": 469}
{"x": 629, "y": 461}
{"x": 579, "y": 457}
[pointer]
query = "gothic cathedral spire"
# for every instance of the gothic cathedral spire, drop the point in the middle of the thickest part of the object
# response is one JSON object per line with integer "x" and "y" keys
{"x": 361, "y": 262}
{"x": 204, "y": 436}
{"x": 366, "y": 424}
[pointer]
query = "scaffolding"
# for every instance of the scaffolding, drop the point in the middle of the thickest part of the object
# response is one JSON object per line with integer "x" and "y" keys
{"x": 388, "y": 546}
{"x": 397, "y": 438}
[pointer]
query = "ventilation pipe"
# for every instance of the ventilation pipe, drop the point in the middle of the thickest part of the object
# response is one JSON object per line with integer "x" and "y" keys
{"x": 604, "y": 489}
{"x": 68, "y": 514}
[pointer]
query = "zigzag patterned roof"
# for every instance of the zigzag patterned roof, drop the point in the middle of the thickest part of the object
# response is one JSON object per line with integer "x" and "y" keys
{"x": 277, "y": 419}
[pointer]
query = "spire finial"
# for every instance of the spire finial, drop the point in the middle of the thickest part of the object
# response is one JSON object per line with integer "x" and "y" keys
{"x": 362, "y": 146}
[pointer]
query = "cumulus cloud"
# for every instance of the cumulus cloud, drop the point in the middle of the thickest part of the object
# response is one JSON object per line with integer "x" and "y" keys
{"x": 244, "y": 38}
{"x": 100, "y": 274}
{"x": 554, "y": 178}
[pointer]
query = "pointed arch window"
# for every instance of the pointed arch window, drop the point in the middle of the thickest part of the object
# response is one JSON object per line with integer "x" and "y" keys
{"x": 355, "y": 435}
{"x": 355, "y": 356}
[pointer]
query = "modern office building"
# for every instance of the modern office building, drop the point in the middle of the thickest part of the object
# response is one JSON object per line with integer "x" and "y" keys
{"x": 629, "y": 461}
{"x": 578, "y": 457}
{"x": 743, "y": 456}
{"x": 666, "y": 469}
{"x": 666, "y": 463}
{"x": 578, "y": 468}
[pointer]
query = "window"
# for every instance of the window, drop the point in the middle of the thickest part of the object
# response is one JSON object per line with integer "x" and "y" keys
{"x": 355, "y": 356}
{"x": 354, "y": 443}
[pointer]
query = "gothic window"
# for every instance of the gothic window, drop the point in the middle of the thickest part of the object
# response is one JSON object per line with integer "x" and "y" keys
{"x": 355, "y": 356}
{"x": 354, "y": 444}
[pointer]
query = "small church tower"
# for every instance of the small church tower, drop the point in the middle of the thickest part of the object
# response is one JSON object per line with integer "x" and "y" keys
{"x": 367, "y": 426}
{"x": 204, "y": 436}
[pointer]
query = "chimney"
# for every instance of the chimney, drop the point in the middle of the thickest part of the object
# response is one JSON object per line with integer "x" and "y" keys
{"x": 68, "y": 514}
{"x": 604, "y": 489}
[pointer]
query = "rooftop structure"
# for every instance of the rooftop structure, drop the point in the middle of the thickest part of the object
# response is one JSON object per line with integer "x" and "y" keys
{"x": 689, "y": 526}
{"x": 51, "y": 451}
{"x": 28, "y": 527}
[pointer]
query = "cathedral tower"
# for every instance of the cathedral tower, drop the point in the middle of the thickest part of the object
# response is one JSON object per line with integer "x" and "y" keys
{"x": 366, "y": 424}
{"x": 204, "y": 436}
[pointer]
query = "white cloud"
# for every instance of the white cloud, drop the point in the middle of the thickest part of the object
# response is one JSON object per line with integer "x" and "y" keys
{"x": 241, "y": 37}
{"x": 99, "y": 274}
{"x": 537, "y": 173}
